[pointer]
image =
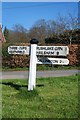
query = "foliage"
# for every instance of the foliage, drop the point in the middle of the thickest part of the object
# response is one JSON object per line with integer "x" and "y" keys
{"x": 6, "y": 34}
{"x": 13, "y": 61}
{"x": 5, "y": 50}
{"x": 41, "y": 29}
{"x": 38, "y": 31}
{"x": 18, "y": 34}
{"x": 65, "y": 37}
{"x": 52, "y": 98}
{"x": 6, "y": 57}
{"x": 53, "y": 40}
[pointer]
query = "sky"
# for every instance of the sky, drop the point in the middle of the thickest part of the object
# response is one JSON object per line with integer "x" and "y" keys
{"x": 27, "y": 13}
{"x": 40, "y": 0}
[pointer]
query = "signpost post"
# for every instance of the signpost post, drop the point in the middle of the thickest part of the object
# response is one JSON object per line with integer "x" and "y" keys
{"x": 40, "y": 55}
{"x": 32, "y": 68}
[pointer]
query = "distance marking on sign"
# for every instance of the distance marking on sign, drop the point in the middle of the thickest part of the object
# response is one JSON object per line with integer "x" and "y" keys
{"x": 55, "y": 61}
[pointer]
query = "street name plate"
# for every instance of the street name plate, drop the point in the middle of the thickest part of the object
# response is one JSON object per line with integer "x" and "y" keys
{"x": 18, "y": 50}
{"x": 55, "y": 61}
{"x": 52, "y": 50}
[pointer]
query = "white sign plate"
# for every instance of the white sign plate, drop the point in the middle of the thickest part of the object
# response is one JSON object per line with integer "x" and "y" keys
{"x": 52, "y": 50}
{"x": 55, "y": 61}
{"x": 41, "y": 50}
{"x": 18, "y": 50}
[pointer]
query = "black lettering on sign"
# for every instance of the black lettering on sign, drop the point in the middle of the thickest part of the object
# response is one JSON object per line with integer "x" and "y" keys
{"x": 13, "y": 47}
{"x": 37, "y": 48}
{"x": 22, "y": 48}
{"x": 40, "y": 52}
{"x": 43, "y": 60}
{"x": 41, "y": 48}
{"x": 58, "y": 48}
{"x": 19, "y": 51}
{"x": 54, "y": 61}
{"x": 48, "y": 53}
{"x": 61, "y": 61}
{"x": 45, "y": 48}
{"x": 49, "y": 48}
{"x": 10, "y": 52}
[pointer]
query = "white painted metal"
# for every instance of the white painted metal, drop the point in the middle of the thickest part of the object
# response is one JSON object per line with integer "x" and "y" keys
{"x": 18, "y": 50}
{"x": 52, "y": 50}
{"x": 54, "y": 61}
{"x": 32, "y": 71}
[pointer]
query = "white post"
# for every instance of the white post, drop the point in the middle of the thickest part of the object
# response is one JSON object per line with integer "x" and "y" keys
{"x": 32, "y": 69}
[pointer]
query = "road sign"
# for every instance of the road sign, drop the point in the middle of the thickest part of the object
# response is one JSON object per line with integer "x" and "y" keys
{"x": 52, "y": 50}
{"x": 54, "y": 61}
{"x": 18, "y": 50}
{"x": 38, "y": 56}
{"x": 40, "y": 50}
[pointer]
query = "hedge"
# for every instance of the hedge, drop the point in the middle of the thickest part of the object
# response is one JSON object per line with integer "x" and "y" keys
{"x": 23, "y": 60}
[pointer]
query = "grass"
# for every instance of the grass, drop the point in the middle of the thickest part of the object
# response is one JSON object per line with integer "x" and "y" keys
{"x": 52, "y": 98}
{"x": 41, "y": 67}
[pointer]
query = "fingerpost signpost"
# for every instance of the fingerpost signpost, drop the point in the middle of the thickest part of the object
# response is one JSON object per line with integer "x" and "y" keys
{"x": 40, "y": 55}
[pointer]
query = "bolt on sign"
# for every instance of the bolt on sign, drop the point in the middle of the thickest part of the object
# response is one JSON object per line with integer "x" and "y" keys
{"x": 40, "y": 55}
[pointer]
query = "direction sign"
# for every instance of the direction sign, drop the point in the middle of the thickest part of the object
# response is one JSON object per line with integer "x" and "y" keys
{"x": 52, "y": 50}
{"x": 38, "y": 56}
{"x": 18, "y": 50}
{"x": 55, "y": 61}
{"x": 40, "y": 50}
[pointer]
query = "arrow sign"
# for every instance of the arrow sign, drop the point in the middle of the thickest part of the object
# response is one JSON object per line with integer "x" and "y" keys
{"x": 55, "y": 61}
{"x": 52, "y": 50}
{"x": 18, "y": 50}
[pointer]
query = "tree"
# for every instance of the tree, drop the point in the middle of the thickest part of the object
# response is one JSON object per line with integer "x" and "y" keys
{"x": 18, "y": 34}
{"x": 38, "y": 31}
{"x": 62, "y": 30}
{"x": 6, "y": 34}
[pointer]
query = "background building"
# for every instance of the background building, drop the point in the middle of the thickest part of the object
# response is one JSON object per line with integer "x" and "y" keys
{"x": 2, "y": 38}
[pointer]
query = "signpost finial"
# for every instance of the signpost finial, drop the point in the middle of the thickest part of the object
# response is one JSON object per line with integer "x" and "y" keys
{"x": 34, "y": 41}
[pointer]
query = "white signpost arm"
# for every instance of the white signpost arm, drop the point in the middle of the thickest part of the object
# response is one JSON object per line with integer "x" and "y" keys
{"x": 32, "y": 69}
